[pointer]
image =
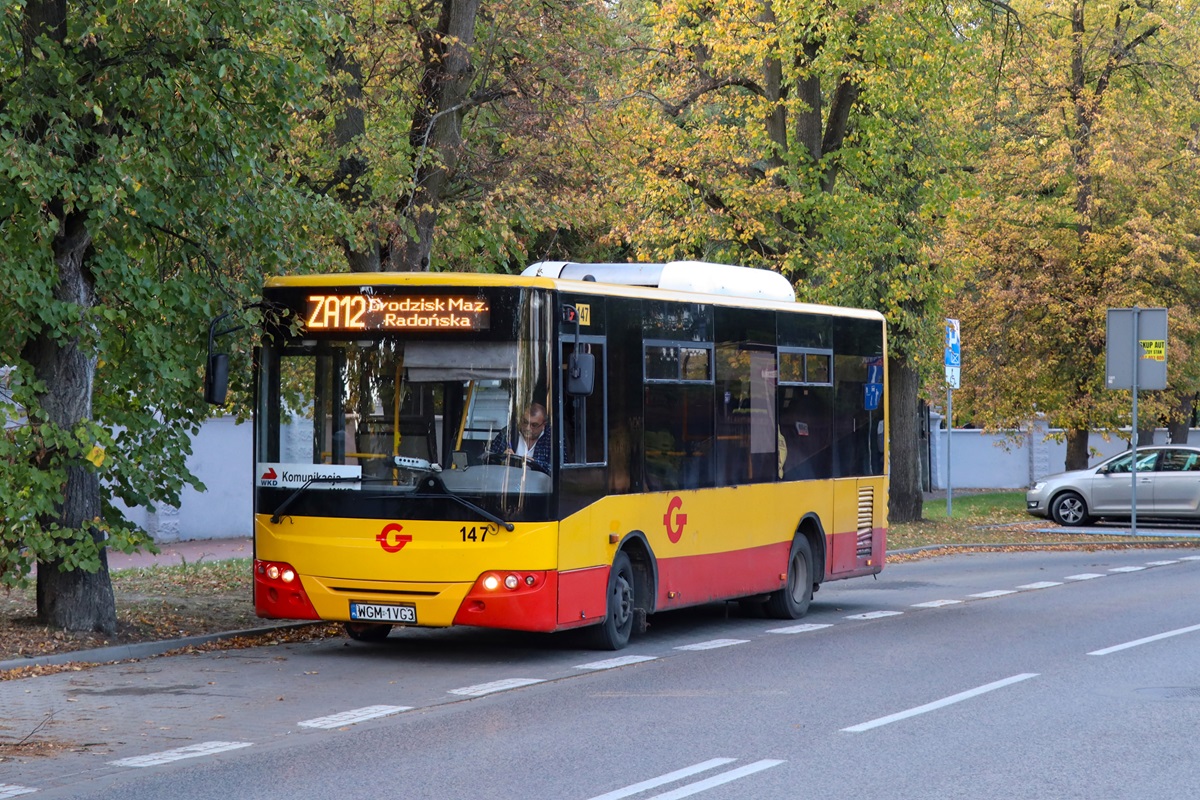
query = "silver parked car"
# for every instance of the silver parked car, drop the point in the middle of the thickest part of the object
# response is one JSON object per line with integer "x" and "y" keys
{"x": 1168, "y": 485}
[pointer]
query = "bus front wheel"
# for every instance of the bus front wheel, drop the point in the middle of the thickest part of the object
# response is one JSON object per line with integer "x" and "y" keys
{"x": 367, "y": 631}
{"x": 791, "y": 602}
{"x": 614, "y": 632}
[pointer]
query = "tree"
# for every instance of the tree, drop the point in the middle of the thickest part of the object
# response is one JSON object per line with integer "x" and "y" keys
{"x": 1088, "y": 202}
{"x": 448, "y": 133}
{"x": 137, "y": 196}
{"x": 808, "y": 138}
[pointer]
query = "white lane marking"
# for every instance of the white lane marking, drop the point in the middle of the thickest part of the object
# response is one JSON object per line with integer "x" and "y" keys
{"x": 712, "y": 644}
{"x": 12, "y": 790}
{"x": 875, "y": 615}
{"x": 353, "y": 716}
{"x": 480, "y": 689}
{"x": 1126, "y": 569}
{"x": 936, "y": 704}
{"x": 1189, "y": 558}
{"x": 1147, "y": 640}
{"x": 179, "y": 753}
{"x": 717, "y": 780}
{"x": 619, "y": 661}
{"x": 662, "y": 780}
{"x": 807, "y": 627}
{"x": 994, "y": 593}
{"x": 937, "y": 603}
{"x": 1040, "y": 585}
{"x": 1083, "y": 576}
{"x": 1160, "y": 563}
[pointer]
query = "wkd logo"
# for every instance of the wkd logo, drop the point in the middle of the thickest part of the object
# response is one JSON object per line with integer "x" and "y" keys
{"x": 269, "y": 478}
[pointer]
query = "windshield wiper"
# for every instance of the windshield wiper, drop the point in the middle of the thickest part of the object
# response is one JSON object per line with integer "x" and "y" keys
{"x": 435, "y": 487}
{"x": 278, "y": 515}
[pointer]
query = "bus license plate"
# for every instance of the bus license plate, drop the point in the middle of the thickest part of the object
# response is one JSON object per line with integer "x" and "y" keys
{"x": 374, "y": 612}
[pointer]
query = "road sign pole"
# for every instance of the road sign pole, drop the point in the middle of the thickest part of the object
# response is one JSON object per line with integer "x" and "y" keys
{"x": 949, "y": 444}
{"x": 1133, "y": 440}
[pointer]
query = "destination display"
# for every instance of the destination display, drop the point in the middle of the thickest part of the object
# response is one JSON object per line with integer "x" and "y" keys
{"x": 362, "y": 312}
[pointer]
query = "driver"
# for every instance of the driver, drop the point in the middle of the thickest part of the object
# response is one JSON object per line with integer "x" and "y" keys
{"x": 533, "y": 439}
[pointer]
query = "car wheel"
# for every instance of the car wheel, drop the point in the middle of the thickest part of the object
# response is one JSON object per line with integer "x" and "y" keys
{"x": 1069, "y": 508}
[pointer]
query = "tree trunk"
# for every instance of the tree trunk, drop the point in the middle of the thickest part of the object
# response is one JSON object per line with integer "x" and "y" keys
{"x": 906, "y": 500}
{"x": 436, "y": 135}
{"x": 1180, "y": 423}
{"x": 72, "y": 599}
{"x": 1077, "y": 449}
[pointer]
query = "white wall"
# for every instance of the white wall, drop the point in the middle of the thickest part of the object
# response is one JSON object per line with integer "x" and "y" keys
{"x": 222, "y": 458}
{"x": 979, "y": 460}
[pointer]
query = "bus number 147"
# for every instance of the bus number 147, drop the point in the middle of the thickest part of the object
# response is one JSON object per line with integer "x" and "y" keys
{"x": 475, "y": 534}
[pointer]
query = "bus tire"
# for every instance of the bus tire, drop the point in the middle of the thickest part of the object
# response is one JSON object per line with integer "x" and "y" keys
{"x": 614, "y": 632}
{"x": 791, "y": 602}
{"x": 367, "y": 631}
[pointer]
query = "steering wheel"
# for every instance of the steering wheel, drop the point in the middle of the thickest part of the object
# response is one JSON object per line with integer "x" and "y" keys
{"x": 514, "y": 460}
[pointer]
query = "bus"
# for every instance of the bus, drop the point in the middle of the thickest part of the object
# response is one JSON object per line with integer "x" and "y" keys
{"x": 704, "y": 437}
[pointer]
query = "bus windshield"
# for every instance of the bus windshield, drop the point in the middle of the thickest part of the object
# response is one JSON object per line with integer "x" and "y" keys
{"x": 377, "y": 416}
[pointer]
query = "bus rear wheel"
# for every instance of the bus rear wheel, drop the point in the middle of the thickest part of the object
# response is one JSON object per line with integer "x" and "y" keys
{"x": 614, "y": 632}
{"x": 367, "y": 631}
{"x": 791, "y": 602}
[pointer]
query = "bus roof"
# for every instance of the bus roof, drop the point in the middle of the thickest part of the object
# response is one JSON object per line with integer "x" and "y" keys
{"x": 694, "y": 281}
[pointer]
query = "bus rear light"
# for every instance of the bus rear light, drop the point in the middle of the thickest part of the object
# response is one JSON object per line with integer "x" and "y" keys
{"x": 279, "y": 592}
{"x": 512, "y": 581}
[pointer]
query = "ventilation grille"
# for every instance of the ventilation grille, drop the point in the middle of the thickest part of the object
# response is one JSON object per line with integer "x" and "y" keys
{"x": 866, "y": 515}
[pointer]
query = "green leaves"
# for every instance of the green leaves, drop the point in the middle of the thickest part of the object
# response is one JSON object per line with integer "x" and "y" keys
{"x": 140, "y": 192}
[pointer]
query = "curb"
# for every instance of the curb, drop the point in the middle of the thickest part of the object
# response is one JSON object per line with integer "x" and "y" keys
{"x": 128, "y": 652}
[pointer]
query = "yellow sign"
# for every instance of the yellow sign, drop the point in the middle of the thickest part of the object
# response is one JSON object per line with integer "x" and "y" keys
{"x": 585, "y": 313}
{"x": 1155, "y": 349}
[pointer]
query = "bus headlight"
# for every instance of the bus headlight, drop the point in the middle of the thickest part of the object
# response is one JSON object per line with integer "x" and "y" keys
{"x": 511, "y": 582}
{"x": 491, "y": 583}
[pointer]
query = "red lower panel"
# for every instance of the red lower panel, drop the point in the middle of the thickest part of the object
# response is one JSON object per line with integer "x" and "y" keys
{"x": 524, "y": 609}
{"x": 690, "y": 580}
{"x": 582, "y": 596}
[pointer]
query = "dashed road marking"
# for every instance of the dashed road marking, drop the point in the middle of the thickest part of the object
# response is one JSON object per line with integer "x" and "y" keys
{"x": 1126, "y": 569}
{"x": 875, "y": 615}
{"x": 936, "y": 704}
{"x": 692, "y": 788}
{"x": 937, "y": 603}
{"x": 1040, "y": 585}
{"x": 993, "y": 593}
{"x": 12, "y": 790}
{"x": 712, "y": 644}
{"x": 1161, "y": 563}
{"x": 619, "y": 661}
{"x": 1147, "y": 640}
{"x": 352, "y": 717}
{"x": 1083, "y": 576}
{"x": 807, "y": 627}
{"x": 179, "y": 753}
{"x": 480, "y": 689}
{"x": 717, "y": 780}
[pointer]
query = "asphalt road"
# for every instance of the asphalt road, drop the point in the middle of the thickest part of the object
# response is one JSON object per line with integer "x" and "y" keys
{"x": 989, "y": 675}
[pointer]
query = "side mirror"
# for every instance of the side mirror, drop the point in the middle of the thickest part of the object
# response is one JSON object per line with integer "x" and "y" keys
{"x": 581, "y": 374}
{"x": 216, "y": 379}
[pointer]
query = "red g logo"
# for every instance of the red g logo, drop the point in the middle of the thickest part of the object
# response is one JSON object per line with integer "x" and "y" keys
{"x": 391, "y": 539}
{"x": 674, "y": 533}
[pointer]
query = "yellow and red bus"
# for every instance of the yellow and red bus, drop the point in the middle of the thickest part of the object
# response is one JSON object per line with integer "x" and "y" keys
{"x": 709, "y": 438}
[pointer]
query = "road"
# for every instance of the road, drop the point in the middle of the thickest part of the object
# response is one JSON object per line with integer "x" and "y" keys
{"x": 989, "y": 675}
